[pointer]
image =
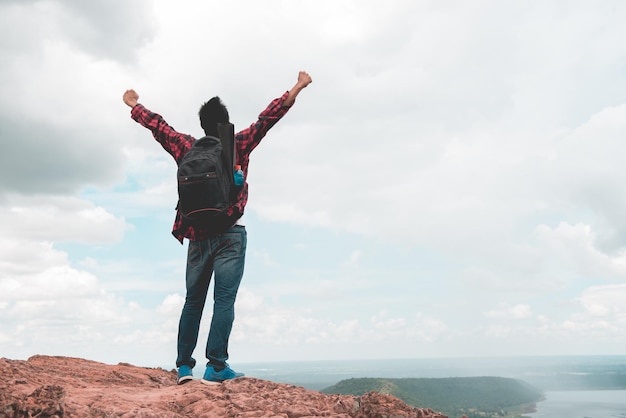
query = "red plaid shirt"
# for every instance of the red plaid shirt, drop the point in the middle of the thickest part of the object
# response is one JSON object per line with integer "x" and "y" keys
{"x": 177, "y": 144}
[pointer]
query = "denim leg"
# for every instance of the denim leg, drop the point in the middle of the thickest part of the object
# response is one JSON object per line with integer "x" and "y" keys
{"x": 230, "y": 253}
{"x": 198, "y": 278}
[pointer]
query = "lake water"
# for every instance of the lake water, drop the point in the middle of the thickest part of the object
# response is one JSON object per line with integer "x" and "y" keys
{"x": 582, "y": 404}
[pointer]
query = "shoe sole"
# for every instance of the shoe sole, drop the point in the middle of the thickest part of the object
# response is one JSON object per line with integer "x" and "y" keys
{"x": 210, "y": 382}
{"x": 184, "y": 379}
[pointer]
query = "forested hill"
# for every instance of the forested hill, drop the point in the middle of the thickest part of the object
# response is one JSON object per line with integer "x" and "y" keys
{"x": 452, "y": 396}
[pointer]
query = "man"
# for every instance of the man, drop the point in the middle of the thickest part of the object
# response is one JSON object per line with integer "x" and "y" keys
{"x": 218, "y": 251}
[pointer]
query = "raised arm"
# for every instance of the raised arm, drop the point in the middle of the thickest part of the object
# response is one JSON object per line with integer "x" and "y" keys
{"x": 304, "y": 79}
{"x": 172, "y": 141}
{"x": 250, "y": 137}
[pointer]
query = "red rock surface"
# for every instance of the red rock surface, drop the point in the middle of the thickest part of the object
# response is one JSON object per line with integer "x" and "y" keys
{"x": 46, "y": 386}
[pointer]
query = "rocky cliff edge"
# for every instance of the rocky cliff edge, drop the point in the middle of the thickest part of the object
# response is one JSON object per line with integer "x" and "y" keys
{"x": 45, "y": 386}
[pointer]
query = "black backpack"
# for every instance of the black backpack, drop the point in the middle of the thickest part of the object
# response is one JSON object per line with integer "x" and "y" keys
{"x": 206, "y": 188}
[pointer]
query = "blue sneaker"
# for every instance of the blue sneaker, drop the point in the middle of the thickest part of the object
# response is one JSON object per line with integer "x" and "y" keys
{"x": 184, "y": 374}
{"x": 211, "y": 376}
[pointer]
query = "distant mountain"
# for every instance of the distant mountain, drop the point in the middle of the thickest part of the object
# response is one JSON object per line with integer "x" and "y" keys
{"x": 453, "y": 396}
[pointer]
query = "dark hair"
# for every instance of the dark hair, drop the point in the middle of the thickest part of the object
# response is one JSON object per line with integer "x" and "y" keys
{"x": 211, "y": 113}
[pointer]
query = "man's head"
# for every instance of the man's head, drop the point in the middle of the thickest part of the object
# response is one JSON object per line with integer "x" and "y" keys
{"x": 211, "y": 113}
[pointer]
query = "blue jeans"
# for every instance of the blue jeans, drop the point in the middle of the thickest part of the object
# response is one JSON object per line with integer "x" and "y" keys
{"x": 225, "y": 256}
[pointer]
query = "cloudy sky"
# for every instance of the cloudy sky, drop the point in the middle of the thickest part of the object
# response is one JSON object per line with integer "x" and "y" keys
{"x": 451, "y": 184}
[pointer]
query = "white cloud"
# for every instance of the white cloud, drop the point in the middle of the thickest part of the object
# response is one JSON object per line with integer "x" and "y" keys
{"x": 248, "y": 301}
{"x": 606, "y": 303}
{"x": 576, "y": 247}
{"x": 597, "y": 318}
{"x": 83, "y": 25}
{"x": 58, "y": 218}
{"x": 498, "y": 332}
{"x": 172, "y": 304}
{"x": 481, "y": 140}
{"x": 385, "y": 325}
{"x": 519, "y": 311}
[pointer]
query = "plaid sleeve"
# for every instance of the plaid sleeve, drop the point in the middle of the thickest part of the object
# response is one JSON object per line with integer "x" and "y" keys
{"x": 250, "y": 137}
{"x": 173, "y": 142}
